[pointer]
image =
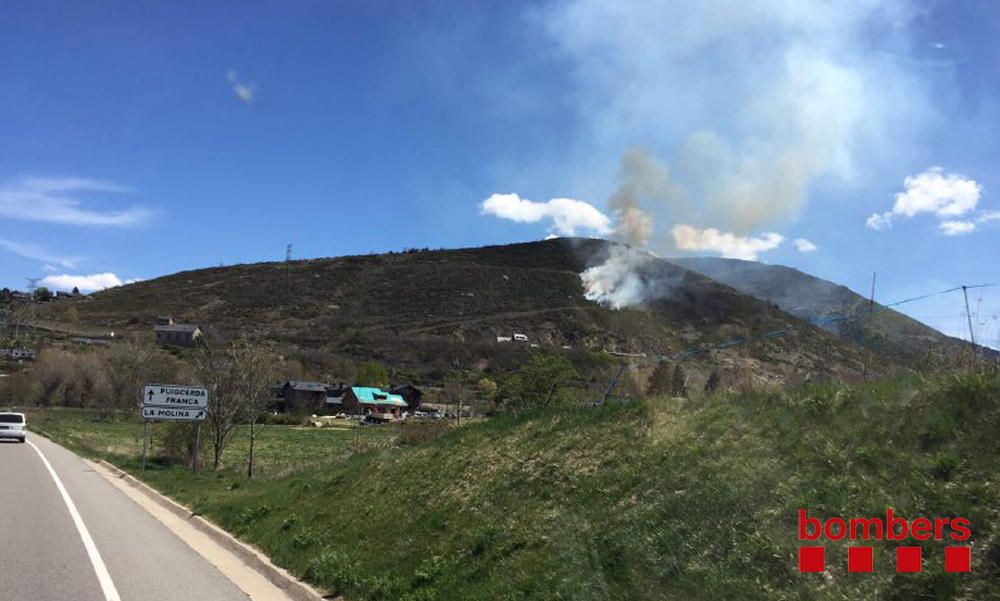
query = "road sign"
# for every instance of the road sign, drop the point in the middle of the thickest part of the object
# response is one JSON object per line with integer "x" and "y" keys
{"x": 175, "y": 397}
{"x": 171, "y": 414}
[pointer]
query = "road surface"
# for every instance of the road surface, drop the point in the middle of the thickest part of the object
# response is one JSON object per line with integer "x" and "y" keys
{"x": 44, "y": 555}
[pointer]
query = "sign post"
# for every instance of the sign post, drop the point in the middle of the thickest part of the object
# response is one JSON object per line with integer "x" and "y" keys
{"x": 174, "y": 403}
{"x": 145, "y": 436}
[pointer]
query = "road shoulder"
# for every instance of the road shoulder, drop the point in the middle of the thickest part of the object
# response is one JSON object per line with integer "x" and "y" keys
{"x": 249, "y": 569}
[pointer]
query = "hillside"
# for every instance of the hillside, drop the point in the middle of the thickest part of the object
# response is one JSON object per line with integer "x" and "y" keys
{"x": 658, "y": 499}
{"x": 887, "y": 332}
{"x": 421, "y": 312}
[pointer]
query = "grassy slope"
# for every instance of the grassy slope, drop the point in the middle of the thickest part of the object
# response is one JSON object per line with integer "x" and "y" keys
{"x": 421, "y": 311}
{"x": 886, "y": 332}
{"x": 662, "y": 499}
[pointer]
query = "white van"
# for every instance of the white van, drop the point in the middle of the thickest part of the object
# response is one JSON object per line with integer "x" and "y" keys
{"x": 12, "y": 426}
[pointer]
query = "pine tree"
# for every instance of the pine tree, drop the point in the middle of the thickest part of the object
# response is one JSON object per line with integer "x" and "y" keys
{"x": 712, "y": 384}
{"x": 678, "y": 382}
{"x": 659, "y": 381}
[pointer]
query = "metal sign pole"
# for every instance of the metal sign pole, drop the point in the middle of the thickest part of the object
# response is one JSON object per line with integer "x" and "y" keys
{"x": 145, "y": 436}
{"x": 197, "y": 445}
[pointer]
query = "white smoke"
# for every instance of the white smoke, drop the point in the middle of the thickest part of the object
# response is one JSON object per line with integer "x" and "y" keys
{"x": 742, "y": 108}
{"x": 618, "y": 282}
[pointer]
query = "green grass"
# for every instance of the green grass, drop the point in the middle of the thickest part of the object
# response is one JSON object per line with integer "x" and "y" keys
{"x": 661, "y": 499}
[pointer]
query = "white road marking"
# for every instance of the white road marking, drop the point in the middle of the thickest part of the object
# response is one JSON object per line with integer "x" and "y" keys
{"x": 107, "y": 585}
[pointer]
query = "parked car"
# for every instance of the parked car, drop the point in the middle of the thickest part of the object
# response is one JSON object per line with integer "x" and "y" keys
{"x": 375, "y": 419}
{"x": 12, "y": 425}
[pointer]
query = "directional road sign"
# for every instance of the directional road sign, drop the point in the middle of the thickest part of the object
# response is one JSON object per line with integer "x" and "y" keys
{"x": 175, "y": 397}
{"x": 169, "y": 414}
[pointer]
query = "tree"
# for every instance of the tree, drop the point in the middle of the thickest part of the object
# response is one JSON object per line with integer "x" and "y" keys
{"x": 678, "y": 382}
{"x": 712, "y": 383}
{"x": 254, "y": 373}
{"x": 76, "y": 291}
{"x": 659, "y": 382}
{"x": 43, "y": 294}
{"x": 541, "y": 381}
{"x": 373, "y": 374}
{"x": 214, "y": 371}
{"x": 129, "y": 368}
{"x": 238, "y": 380}
{"x": 455, "y": 392}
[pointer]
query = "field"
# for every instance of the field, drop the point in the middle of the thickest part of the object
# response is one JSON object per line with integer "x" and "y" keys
{"x": 657, "y": 499}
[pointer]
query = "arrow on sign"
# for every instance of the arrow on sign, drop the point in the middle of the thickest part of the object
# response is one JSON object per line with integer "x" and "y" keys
{"x": 200, "y": 414}
{"x": 150, "y": 395}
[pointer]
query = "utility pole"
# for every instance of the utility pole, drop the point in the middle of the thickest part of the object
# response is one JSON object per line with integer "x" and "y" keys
{"x": 968, "y": 315}
{"x": 288, "y": 266}
{"x": 871, "y": 310}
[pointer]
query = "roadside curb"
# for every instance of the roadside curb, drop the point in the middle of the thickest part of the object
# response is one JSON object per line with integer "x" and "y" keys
{"x": 279, "y": 577}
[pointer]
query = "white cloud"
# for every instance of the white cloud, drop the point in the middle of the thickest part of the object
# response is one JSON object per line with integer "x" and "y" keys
{"x": 804, "y": 246}
{"x": 245, "y": 92}
{"x": 956, "y": 228}
{"x": 727, "y": 244}
{"x": 946, "y": 195}
{"x": 86, "y": 283}
{"x": 57, "y": 200}
{"x": 989, "y": 216}
{"x": 37, "y": 253}
{"x": 569, "y": 217}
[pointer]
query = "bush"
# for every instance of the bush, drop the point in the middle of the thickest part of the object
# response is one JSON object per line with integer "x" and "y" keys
{"x": 283, "y": 419}
{"x": 178, "y": 440}
{"x": 414, "y": 432}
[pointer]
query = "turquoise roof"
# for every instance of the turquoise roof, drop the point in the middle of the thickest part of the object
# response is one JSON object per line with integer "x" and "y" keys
{"x": 376, "y": 396}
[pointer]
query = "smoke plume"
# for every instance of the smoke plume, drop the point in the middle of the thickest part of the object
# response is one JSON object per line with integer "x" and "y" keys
{"x": 734, "y": 113}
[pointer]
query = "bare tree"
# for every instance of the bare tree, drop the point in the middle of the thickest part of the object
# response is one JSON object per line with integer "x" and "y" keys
{"x": 129, "y": 368}
{"x": 238, "y": 378}
{"x": 254, "y": 373}
{"x": 214, "y": 371}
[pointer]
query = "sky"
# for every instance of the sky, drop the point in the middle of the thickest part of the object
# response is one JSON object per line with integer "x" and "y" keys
{"x": 138, "y": 139}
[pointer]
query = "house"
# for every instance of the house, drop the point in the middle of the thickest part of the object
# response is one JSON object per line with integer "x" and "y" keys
{"x": 298, "y": 396}
{"x": 18, "y": 354}
{"x": 335, "y": 398}
{"x": 520, "y": 338}
{"x": 504, "y": 339}
{"x": 362, "y": 400}
{"x": 410, "y": 393}
{"x": 186, "y": 335}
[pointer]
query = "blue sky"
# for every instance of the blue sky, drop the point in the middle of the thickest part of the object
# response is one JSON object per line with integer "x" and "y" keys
{"x": 142, "y": 138}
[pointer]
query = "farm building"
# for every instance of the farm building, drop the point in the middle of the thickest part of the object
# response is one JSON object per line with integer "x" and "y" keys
{"x": 298, "y": 396}
{"x": 410, "y": 393}
{"x": 359, "y": 400}
{"x": 177, "y": 334}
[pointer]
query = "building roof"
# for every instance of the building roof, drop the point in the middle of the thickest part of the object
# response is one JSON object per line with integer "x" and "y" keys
{"x": 377, "y": 396}
{"x": 307, "y": 386}
{"x": 399, "y": 387}
{"x": 177, "y": 327}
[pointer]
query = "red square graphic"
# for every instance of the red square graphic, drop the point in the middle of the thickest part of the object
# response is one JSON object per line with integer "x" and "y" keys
{"x": 908, "y": 559}
{"x": 859, "y": 559}
{"x": 957, "y": 559}
{"x": 811, "y": 559}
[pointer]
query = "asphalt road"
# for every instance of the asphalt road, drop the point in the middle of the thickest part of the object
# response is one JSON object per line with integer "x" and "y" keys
{"x": 44, "y": 557}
